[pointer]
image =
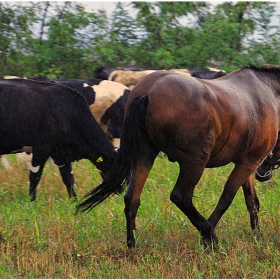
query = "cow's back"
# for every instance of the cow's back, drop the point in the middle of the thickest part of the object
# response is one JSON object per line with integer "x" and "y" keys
{"x": 22, "y": 112}
{"x": 32, "y": 112}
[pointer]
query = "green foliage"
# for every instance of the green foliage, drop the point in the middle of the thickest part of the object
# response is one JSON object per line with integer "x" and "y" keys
{"x": 63, "y": 40}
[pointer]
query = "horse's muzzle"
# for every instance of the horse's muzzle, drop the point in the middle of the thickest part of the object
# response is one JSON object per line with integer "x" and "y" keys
{"x": 263, "y": 176}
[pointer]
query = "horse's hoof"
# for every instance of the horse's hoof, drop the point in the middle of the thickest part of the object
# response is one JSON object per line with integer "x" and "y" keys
{"x": 210, "y": 241}
{"x": 130, "y": 245}
{"x": 119, "y": 190}
{"x": 257, "y": 234}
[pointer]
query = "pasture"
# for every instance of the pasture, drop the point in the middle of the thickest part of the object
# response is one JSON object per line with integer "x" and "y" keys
{"x": 46, "y": 240}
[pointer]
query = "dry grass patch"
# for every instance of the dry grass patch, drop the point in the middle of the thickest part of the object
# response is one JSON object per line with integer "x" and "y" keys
{"x": 45, "y": 239}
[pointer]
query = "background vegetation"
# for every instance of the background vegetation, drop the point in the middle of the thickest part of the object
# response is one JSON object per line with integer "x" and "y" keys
{"x": 45, "y": 239}
{"x": 64, "y": 40}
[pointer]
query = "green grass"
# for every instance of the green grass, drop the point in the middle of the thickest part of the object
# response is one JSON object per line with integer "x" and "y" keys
{"x": 46, "y": 240}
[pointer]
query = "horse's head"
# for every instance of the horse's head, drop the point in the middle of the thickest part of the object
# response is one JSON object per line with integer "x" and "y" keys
{"x": 270, "y": 163}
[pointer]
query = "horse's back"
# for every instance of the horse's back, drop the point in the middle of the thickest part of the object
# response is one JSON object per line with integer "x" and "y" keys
{"x": 175, "y": 108}
{"x": 218, "y": 121}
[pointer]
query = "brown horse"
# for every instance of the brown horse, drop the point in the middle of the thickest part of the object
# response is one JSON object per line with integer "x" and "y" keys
{"x": 200, "y": 124}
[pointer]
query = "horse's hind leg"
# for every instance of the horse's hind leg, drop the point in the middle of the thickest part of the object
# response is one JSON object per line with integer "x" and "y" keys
{"x": 252, "y": 202}
{"x": 132, "y": 196}
{"x": 66, "y": 173}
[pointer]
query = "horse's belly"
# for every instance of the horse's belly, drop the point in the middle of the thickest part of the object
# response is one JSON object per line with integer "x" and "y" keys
{"x": 217, "y": 163}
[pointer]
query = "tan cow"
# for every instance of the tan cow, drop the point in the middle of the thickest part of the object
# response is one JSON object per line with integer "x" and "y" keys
{"x": 128, "y": 78}
{"x": 131, "y": 78}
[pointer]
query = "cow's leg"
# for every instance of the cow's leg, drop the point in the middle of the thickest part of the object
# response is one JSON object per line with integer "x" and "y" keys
{"x": 39, "y": 158}
{"x": 66, "y": 173}
{"x": 6, "y": 163}
{"x": 240, "y": 175}
{"x": 34, "y": 178}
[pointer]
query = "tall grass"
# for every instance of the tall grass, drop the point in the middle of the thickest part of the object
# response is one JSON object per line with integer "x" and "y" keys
{"x": 46, "y": 240}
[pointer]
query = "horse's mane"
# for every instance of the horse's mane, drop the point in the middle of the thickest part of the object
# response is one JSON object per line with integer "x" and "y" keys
{"x": 264, "y": 68}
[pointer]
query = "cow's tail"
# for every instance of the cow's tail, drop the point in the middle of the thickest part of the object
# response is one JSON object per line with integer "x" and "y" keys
{"x": 134, "y": 133}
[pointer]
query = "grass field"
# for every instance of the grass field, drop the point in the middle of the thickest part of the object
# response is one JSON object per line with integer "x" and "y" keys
{"x": 46, "y": 240}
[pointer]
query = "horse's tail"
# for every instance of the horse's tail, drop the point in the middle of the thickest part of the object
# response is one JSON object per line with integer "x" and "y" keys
{"x": 133, "y": 134}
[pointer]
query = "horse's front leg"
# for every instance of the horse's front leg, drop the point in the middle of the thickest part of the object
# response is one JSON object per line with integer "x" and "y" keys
{"x": 240, "y": 175}
{"x": 182, "y": 195}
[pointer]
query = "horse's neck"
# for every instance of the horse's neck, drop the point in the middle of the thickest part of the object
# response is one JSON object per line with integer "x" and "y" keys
{"x": 275, "y": 86}
{"x": 270, "y": 79}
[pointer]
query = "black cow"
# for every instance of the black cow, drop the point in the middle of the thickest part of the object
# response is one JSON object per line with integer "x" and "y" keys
{"x": 206, "y": 73}
{"x": 114, "y": 115}
{"x": 55, "y": 121}
{"x": 99, "y": 95}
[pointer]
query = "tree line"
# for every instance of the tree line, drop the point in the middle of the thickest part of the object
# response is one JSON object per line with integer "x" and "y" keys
{"x": 64, "y": 40}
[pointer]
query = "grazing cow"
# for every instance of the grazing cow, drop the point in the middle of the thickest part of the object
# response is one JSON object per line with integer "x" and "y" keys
{"x": 207, "y": 73}
{"x": 88, "y": 93}
{"x": 131, "y": 78}
{"x": 114, "y": 116}
{"x": 54, "y": 121}
{"x": 128, "y": 78}
{"x": 106, "y": 93}
{"x": 100, "y": 94}
{"x": 103, "y": 72}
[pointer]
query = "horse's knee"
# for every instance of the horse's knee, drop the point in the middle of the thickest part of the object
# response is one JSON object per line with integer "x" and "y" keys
{"x": 181, "y": 201}
{"x": 175, "y": 198}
